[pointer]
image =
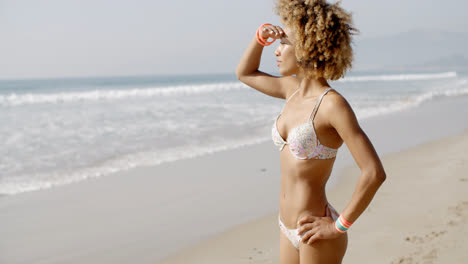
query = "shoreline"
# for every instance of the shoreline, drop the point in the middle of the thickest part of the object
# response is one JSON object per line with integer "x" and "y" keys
{"x": 140, "y": 215}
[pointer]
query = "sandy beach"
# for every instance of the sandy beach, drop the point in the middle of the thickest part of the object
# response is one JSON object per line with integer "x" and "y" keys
{"x": 223, "y": 207}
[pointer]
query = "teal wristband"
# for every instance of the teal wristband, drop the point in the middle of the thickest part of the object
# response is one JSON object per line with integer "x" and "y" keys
{"x": 340, "y": 226}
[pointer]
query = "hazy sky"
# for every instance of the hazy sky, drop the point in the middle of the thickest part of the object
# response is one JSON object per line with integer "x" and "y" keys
{"x": 64, "y": 38}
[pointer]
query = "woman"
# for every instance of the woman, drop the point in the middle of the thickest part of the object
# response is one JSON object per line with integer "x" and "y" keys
{"x": 315, "y": 121}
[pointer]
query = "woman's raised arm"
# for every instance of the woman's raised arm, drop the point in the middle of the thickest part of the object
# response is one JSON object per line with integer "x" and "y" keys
{"x": 248, "y": 73}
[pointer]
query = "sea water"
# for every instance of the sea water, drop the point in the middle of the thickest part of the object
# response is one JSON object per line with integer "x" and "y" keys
{"x": 60, "y": 131}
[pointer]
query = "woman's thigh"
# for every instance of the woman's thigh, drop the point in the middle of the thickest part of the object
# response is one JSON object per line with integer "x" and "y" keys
{"x": 288, "y": 253}
{"x": 330, "y": 251}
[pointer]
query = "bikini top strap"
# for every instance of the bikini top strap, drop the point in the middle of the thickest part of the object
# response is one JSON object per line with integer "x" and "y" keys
{"x": 292, "y": 95}
{"x": 312, "y": 116}
{"x": 289, "y": 99}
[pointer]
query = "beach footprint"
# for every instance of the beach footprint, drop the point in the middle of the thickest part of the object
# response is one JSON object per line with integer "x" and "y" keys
{"x": 458, "y": 214}
{"x": 425, "y": 250}
{"x": 429, "y": 257}
{"x": 257, "y": 255}
{"x": 403, "y": 260}
{"x": 425, "y": 238}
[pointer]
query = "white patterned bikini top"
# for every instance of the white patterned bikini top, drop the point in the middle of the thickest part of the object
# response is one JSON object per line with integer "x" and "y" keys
{"x": 302, "y": 140}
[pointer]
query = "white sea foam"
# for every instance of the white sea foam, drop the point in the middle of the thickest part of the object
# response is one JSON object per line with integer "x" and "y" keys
{"x": 411, "y": 102}
{"x": 400, "y": 77}
{"x": 95, "y": 95}
{"x": 14, "y": 99}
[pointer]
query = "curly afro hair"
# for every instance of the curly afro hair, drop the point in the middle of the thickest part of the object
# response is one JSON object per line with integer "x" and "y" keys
{"x": 323, "y": 36}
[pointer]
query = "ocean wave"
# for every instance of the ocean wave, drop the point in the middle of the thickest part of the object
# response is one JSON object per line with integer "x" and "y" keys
{"x": 412, "y": 102}
{"x": 95, "y": 95}
{"x": 16, "y": 99}
{"x": 400, "y": 77}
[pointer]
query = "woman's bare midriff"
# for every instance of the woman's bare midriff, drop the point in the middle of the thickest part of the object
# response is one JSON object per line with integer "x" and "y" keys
{"x": 302, "y": 190}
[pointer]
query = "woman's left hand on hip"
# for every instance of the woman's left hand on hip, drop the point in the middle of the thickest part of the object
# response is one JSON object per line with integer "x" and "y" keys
{"x": 314, "y": 228}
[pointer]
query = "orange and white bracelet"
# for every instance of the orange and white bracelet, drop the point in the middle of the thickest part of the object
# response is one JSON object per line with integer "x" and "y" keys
{"x": 260, "y": 40}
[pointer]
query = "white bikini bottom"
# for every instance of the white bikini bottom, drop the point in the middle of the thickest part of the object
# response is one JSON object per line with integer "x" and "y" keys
{"x": 292, "y": 234}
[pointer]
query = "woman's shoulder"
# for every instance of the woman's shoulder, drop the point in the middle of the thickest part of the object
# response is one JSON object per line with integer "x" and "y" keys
{"x": 335, "y": 102}
{"x": 333, "y": 97}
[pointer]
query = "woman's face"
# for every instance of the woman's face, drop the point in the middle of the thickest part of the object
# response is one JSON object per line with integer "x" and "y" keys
{"x": 285, "y": 54}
